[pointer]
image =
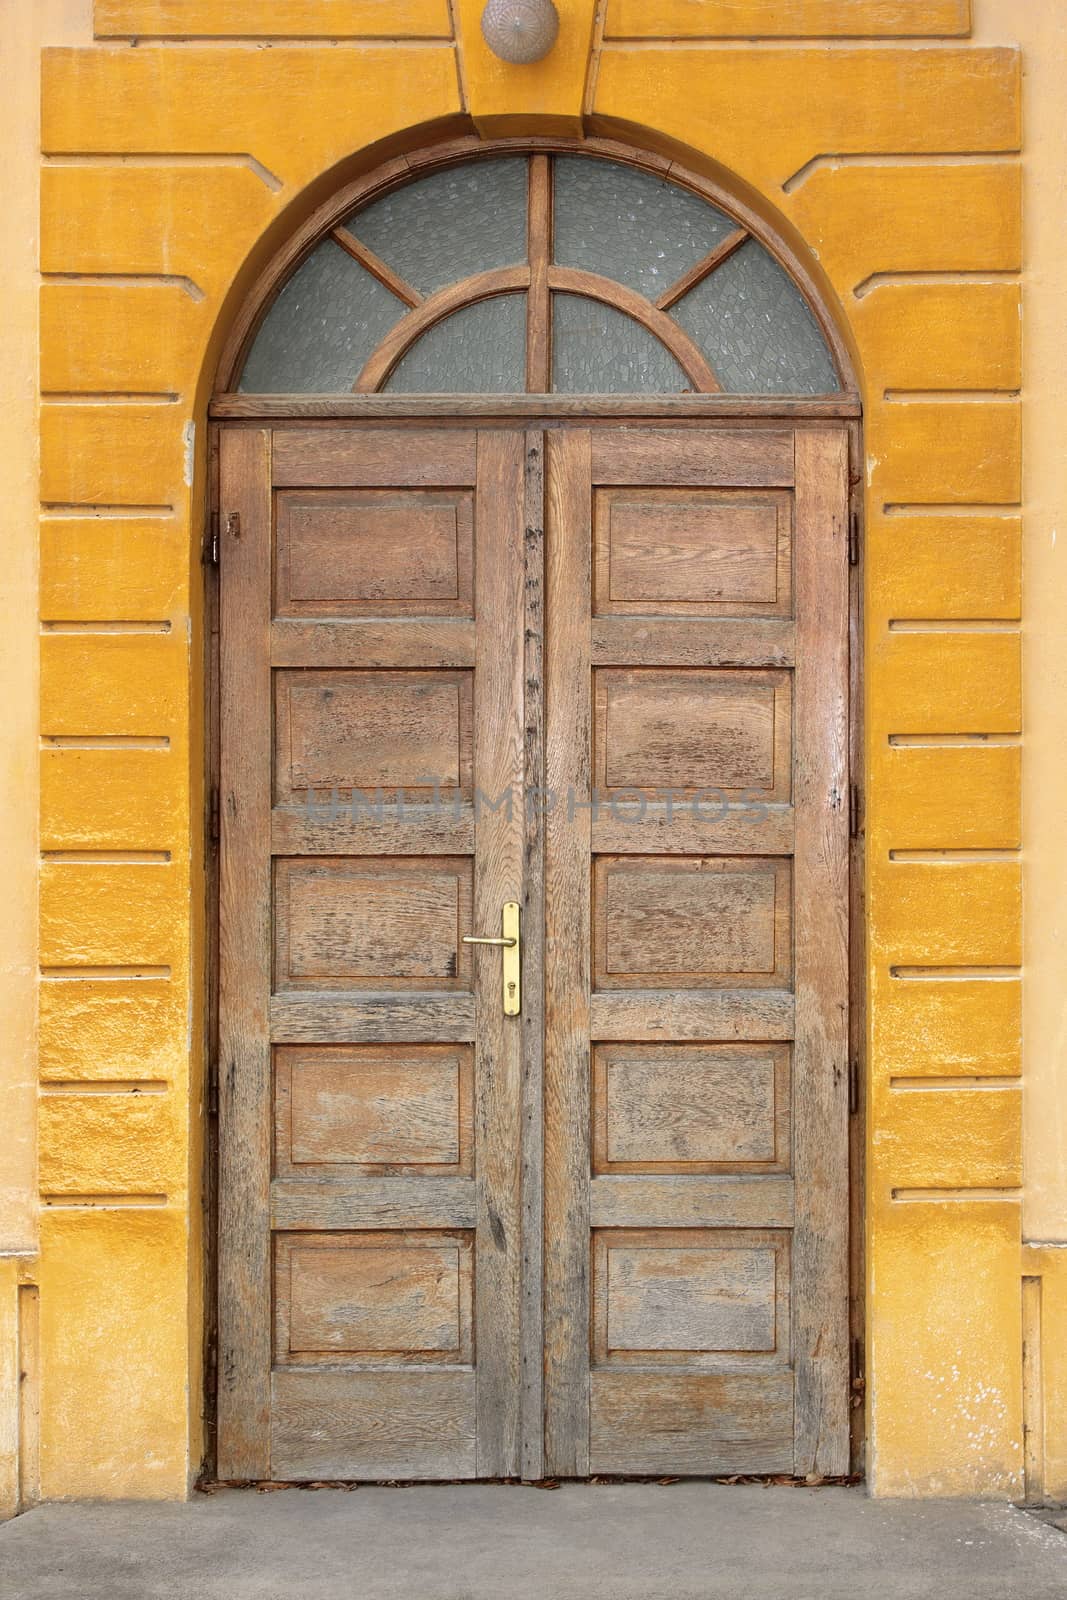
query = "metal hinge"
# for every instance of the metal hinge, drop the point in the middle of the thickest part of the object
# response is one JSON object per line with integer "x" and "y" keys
{"x": 856, "y": 1366}
{"x": 212, "y": 1086}
{"x": 855, "y": 811}
{"x": 211, "y": 1383}
{"x": 211, "y": 542}
{"x": 853, "y": 1086}
{"x": 213, "y": 826}
{"x": 853, "y": 538}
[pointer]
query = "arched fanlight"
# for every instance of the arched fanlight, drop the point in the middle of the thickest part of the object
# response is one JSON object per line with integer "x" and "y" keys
{"x": 565, "y": 273}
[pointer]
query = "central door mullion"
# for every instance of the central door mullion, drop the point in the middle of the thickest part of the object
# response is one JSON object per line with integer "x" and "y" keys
{"x": 498, "y": 877}
{"x": 533, "y": 1004}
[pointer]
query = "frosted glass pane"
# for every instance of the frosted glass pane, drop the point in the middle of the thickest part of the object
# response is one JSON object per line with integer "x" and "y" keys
{"x": 480, "y": 349}
{"x": 755, "y": 328}
{"x": 321, "y": 329}
{"x": 450, "y": 224}
{"x": 598, "y": 350}
{"x": 629, "y": 225}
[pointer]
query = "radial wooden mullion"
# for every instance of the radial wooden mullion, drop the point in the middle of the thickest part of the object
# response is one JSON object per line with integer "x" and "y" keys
{"x": 703, "y": 269}
{"x": 539, "y": 300}
{"x": 376, "y": 267}
{"x": 688, "y": 355}
{"x": 400, "y": 338}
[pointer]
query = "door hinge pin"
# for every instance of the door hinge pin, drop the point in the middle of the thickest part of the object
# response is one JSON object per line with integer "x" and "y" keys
{"x": 855, "y": 811}
{"x": 853, "y": 1086}
{"x": 856, "y": 1363}
{"x": 211, "y": 543}
{"x": 214, "y": 829}
{"x": 853, "y": 538}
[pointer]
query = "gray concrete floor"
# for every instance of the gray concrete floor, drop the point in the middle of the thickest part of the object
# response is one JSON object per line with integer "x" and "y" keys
{"x": 684, "y": 1541}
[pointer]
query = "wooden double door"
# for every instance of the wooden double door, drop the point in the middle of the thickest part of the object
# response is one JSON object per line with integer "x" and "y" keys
{"x": 596, "y": 1222}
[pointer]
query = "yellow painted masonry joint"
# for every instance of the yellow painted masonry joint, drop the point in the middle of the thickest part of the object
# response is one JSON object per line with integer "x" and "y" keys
{"x": 181, "y": 145}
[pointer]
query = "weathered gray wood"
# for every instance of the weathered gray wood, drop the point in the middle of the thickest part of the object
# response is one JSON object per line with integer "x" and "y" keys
{"x": 820, "y": 1129}
{"x": 244, "y": 959}
{"x": 373, "y": 642}
{"x": 533, "y": 997}
{"x": 338, "y": 827}
{"x": 642, "y": 455}
{"x": 340, "y": 458}
{"x": 392, "y": 1202}
{"x": 681, "y": 1201}
{"x": 691, "y": 642}
{"x": 498, "y": 877}
{"x": 689, "y": 1014}
{"x": 699, "y": 826}
{"x": 324, "y": 1018}
{"x": 398, "y": 1424}
{"x": 567, "y": 955}
{"x": 691, "y": 1423}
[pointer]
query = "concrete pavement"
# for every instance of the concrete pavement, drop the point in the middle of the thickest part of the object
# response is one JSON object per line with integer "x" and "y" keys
{"x": 683, "y": 1541}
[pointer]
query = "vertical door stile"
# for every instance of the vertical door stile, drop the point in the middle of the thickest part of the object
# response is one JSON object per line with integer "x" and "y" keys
{"x": 533, "y": 1007}
{"x": 245, "y": 958}
{"x": 820, "y": 1239}
{"x": 567, "y": 972}
{"x": 499, "y": 835}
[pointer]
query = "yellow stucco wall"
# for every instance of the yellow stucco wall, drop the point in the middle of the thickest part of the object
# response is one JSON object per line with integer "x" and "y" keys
{"x": 179, "y": 148}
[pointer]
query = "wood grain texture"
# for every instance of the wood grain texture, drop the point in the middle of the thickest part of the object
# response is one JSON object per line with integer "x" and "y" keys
{"x": 374, "y": 1111}
{"x": 689, "y": 1014}
{"x": 331, "y": 1018}
{"x": 637, "y": 641}
{"x": 414, "y": 643}
{"x": 665, "y": 459}
{"x": 677, "y": 1201}
{"x": 374, "y": 552}
{"x": 691, "y": 1423}
{"x": 394, "y": 1202}
{"x": 691, "y": 923}
{"x": 373, "y": 459}
{"x": 383, "y": 733}
{"x": 691, "y": 1108}
{"x": 731, "y": 409}
{"x": 693, "y": 732}
{"x": 387, "y": 923}
{"x": 539, "y": 300}
{"x": 337, "y": 823}
{"x": 499, "y": 745}
{"x": 822, "y": 957}
{"x": 533, "y": 963}
{"x": 372, "y": 1425}
{"x": 244, "y": 961}
{"x": 567, "y": 953}
{"x": 689, "y": 1297}
{"x": 692, "y": 552}
{"x": 388, "y": 1298}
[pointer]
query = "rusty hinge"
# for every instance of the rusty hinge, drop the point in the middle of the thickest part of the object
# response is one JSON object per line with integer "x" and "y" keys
{"x": 855, "y": 811}
{"x": 211, "y": 1382}
{"x": 853, "y": 538}
{"x": 211, "y": 541}
{"x": 858, "y": 1381}
{"x": 853, "y": 1086}
{"x": 213, "y": 825}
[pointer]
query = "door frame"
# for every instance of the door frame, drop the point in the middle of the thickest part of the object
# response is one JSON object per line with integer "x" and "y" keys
{"x": 699, "y": 412}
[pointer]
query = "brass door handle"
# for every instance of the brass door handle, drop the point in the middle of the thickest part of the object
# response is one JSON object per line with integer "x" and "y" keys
{"x": 510, "y": 942}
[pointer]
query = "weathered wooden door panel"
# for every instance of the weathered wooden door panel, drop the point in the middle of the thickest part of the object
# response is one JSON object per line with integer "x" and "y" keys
{"x": 607, "y": 1235}
{"x": 373, "y": 618}
{"x": 696, "y": 1292}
